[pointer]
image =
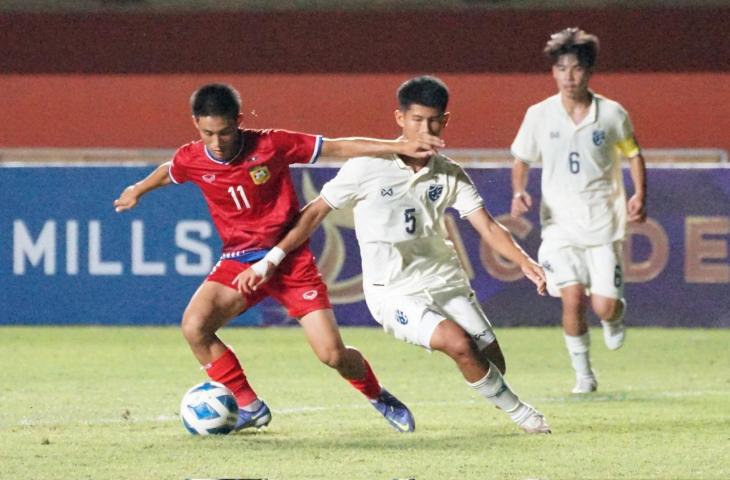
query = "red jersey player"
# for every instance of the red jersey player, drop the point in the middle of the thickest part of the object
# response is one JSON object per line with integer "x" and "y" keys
{"x": 244, "y": 177}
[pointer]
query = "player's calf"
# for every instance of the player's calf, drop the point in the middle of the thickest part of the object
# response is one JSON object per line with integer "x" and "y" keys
{"x": 614, "y": 329}
{"x": 494, "y": 388}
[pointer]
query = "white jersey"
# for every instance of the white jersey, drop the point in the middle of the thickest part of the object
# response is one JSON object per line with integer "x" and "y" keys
{"x": 583, "y": 199}
{"x": 399, "y": 221}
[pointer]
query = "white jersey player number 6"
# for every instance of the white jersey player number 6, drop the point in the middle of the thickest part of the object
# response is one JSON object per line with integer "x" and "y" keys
{"x": 574, "y": 162}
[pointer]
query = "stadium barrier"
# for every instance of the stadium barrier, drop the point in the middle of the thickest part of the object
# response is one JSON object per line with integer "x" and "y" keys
{"x": 67, "y": 258}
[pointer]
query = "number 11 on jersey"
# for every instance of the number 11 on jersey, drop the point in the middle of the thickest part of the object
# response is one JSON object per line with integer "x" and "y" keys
{"x": 242, "y": 194}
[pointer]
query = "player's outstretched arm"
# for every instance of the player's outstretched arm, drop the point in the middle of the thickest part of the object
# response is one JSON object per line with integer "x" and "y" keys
{"x": 424, "y": 147}
{"x": 499, "y": 238}
{"x": 129, "y": 198}
{"x": 521, "y": 200}
{"x": 309, "y": 219}
{"x": 637, "y": 202}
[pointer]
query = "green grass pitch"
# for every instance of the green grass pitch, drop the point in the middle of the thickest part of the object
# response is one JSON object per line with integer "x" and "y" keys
{"x": 101, "y": 403}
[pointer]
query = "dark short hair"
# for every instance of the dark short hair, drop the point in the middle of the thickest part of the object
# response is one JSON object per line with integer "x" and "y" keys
{"x": 425, "y": 90}
{"x": 215, "y": 100}
{"x": 573, "y": 41}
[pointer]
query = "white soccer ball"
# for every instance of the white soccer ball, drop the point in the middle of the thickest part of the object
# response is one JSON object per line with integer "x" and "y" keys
{"x": 209, "y": 408}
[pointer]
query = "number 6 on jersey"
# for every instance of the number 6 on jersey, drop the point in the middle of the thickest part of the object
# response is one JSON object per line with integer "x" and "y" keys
{"x": 574, "y": 162}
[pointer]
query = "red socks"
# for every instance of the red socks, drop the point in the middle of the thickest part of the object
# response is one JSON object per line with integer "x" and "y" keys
{"x": 226, "y": 370}
{"x": 368, "y": 385}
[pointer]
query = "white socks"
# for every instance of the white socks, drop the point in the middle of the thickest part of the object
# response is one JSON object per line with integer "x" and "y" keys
{"x": 578, "y": 348}
{"x": 496, "y": 390}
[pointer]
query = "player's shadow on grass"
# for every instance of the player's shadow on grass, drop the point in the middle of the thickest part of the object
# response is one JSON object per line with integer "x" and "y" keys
{"x": 437, "y": 440}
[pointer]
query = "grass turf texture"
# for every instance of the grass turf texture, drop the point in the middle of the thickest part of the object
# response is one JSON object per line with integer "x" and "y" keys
{"x": 92, "y": 403}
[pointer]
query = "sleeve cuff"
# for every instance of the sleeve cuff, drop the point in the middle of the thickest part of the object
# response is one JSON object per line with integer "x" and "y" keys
{"x": 169, "y": 174}
{"x": 332, "y": 205}
{"x": 470, "y": 211}
{"x": 317, "y": 149}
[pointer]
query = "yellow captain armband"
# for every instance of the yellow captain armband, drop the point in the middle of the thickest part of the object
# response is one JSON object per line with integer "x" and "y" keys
{"x": 628, "y": 148}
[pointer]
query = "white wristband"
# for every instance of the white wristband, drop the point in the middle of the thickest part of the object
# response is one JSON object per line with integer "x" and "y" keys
{"x": 275, "y": 255}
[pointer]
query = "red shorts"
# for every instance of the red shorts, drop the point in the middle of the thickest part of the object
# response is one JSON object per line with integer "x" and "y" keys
{"x": 296, "y": 284}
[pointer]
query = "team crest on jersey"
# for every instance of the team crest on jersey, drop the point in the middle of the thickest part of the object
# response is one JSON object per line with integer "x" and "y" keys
{"x": 400, "y": 317}
{"x": 260, "y": 174}
{"x": 386, "y": 192}
{"x": 599, "y": 137}
{"x": 435, "y": 191}
{"x": 209, "y": 178}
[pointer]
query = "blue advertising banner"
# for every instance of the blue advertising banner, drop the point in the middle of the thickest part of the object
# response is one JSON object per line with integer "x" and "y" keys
{"x": 67, "y": 258}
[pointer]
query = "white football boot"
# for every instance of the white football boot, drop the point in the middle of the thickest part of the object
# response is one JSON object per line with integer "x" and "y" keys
{"x": 585, "y": 384}
{"x": 529, "y": 419}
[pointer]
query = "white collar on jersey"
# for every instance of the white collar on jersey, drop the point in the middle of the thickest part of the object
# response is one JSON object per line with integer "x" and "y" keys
{"x": 425, "y": 169}
{"x": 592, "y": 116}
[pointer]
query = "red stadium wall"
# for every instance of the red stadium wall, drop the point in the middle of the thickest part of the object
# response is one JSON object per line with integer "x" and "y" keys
{"x": 668, "y": 110}
{"x": 123, "y": 80}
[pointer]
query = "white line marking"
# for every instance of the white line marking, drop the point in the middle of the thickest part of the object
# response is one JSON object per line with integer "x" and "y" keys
{"x": 619, "y": 396}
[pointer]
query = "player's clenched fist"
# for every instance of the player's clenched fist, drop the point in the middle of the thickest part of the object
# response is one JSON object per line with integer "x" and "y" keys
{"x": 128, "y": 199}
{"x": 521, "y": 204}
{"x": 536, "y": 274}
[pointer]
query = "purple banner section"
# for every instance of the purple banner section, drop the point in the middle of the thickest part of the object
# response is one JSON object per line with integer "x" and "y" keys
{"x": 67, "y": 258}
{"x": 676, "y": 264}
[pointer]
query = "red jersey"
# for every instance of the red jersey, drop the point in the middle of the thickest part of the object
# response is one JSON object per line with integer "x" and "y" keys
{"x": 251, "y": 198}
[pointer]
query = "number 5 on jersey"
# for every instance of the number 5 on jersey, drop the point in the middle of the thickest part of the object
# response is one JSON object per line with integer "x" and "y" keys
{"x": 235, "y": 193}
{"x": 410, "y": 219}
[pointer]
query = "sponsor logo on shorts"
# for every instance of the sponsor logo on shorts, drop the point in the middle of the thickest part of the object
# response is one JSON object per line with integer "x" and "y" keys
{"x": 547, "y": 266}
{"x": 481, "y": 334}
{"x": 310, "y": 295}
{"x": 555, "y": 134}
{"x": 386, "y": 192}
{"x": 209, "y": 178}
{"x": 400, "y": 317}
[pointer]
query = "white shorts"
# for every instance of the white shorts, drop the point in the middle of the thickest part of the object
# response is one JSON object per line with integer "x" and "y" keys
{"x": 599, "y": 269}
{"x": 413, "y": 318}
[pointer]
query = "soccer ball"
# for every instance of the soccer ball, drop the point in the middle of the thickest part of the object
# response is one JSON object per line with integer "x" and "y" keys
{"x": 209, "y": 408}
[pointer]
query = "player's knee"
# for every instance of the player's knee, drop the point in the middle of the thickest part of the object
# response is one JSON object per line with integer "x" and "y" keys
{"x": 193, "y": 327}
{"x": 572, "y": 302}
{"x": 332, "y": 357}
{"x": 606, "y": 309}
{"x": 574, "y": 293}
{"x": 460, "y": 347}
